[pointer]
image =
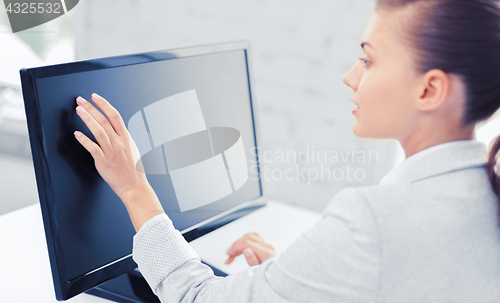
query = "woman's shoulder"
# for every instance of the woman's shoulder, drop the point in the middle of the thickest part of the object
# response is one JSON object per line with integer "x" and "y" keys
{"x": 446, "y": 195}
{"x": 444, "y": 223}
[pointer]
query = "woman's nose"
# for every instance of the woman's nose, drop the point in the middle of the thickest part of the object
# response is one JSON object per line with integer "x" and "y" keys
{"x": 350, "y": 79}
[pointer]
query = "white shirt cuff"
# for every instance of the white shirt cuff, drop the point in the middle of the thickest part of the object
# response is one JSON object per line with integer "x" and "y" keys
{"x": 159, "y": 249}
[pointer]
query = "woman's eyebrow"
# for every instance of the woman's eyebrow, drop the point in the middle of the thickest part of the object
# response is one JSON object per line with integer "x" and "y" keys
{"x": 366, "y": 43}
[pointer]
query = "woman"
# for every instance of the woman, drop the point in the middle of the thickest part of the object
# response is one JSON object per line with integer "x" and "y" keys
{"x": 430, "y": 231}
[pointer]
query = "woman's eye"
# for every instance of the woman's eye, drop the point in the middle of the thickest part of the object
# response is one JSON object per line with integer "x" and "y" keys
{"x": 365, "y": 61}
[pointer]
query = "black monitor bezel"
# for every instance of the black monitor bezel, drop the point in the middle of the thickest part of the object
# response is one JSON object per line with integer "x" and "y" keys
{"x": 65, "y": 288}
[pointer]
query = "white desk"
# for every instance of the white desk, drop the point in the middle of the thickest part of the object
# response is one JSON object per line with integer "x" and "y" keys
{"x": 25, "y": 274}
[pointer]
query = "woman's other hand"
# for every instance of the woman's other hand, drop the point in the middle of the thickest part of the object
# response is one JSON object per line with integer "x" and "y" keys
{"x": 115, "y": 158}
{"x": 255, "y": 249}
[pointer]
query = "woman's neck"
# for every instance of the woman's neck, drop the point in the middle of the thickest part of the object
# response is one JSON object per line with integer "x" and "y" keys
{"x": 416, "y": 143}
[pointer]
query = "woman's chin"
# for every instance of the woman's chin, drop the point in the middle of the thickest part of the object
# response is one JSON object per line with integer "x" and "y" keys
{"x": 358, "y": 131}
{"x": 361, "y": 132}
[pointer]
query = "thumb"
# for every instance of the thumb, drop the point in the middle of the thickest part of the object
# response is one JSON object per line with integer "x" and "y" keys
{"x": 251, "y": 257}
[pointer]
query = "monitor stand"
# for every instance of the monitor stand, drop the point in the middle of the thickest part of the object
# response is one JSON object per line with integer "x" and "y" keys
{"x": 132, "y": 288}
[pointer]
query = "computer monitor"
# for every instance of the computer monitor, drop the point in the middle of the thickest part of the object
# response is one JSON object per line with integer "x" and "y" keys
{"x": 191, "y": 114}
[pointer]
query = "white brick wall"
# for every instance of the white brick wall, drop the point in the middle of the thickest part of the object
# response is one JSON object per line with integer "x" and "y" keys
{"x": 300, "y": 49}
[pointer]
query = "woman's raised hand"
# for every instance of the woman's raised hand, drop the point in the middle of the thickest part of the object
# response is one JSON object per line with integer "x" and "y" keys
{"x": 115, "y": 158}
{"x": 255, "y": 249}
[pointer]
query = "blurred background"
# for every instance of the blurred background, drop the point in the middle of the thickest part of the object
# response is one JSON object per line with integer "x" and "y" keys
{"x": 300, "y": 52}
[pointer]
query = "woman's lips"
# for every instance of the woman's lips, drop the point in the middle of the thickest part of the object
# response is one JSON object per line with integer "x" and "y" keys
{"x": 356, "y": 109}
{"x": 357, "y": 106}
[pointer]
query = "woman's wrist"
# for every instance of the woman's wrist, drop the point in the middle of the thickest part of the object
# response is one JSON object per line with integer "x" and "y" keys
{"x": 142, "y": 204}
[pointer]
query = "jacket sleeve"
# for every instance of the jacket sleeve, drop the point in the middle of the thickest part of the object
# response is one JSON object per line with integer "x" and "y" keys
{"x": 338, "y": 257}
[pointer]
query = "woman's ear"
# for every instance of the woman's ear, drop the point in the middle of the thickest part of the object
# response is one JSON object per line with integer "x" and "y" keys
{"x": 434, "y": 90}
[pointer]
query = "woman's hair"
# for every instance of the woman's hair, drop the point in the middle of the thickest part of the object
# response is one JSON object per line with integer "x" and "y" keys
{"x": 460, "y": 37}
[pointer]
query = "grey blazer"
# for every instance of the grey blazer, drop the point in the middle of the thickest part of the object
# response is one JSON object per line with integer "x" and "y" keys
{"x": 433, "y": 236}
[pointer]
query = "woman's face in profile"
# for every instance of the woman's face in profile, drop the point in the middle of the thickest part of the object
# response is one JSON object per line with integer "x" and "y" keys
{"x": 385, "y": 87}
